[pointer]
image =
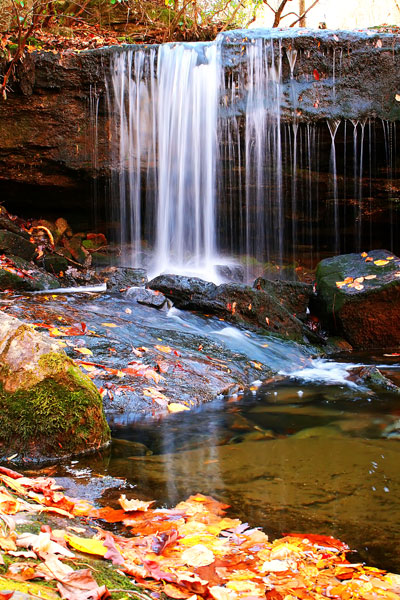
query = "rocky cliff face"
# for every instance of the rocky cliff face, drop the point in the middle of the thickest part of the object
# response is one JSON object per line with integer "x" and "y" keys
{"x": 48, "y": 130}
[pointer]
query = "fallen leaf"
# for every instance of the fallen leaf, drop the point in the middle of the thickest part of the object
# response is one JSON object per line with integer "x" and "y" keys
{"x": 198, "y": 556}
{"x": 174, "y": 407}
{"x": 86, "y": 545}
{"x": 380, "y": 262}
{"x": 83, "y": 350}
{"x": 109, "y": 325}
{"x": 134, "y": 504}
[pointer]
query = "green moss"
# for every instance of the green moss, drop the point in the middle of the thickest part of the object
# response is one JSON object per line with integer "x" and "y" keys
{"x": 53, "y": 417}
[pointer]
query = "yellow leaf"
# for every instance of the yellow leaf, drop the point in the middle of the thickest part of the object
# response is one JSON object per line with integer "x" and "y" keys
{"x": 359, "y": 279}
{"x": 364, "y": 254}
{"x": 198, "y": 556}
{"x": 174, "y": 407}
{"x": 87, "y": 545}
{"x": 165, "y": 349}
{"x": 109, "y": 325}
{"x": 370, "y": 277}
{"x": 83, "y": 350}
{"x": 380, "y": 262}
{"x": 89, "y": 368}
{"x": 54, "y": 332}
{"x": 134, "y": 505}
{"x": 340, "y": 284}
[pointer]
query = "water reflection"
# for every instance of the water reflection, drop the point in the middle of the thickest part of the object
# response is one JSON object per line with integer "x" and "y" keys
{"x": 313, "y": 449}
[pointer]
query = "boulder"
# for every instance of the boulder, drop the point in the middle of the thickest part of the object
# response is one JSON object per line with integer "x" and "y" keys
{"x": 19, "y": 274}
{"x": 12, "y": 243}
{"x": 235, "y": 302}
{"x": 293, "y": 295}
{"x": 48, "y": 407}
{"x": 358, "y": 297}
{"x": 120, "y": 278}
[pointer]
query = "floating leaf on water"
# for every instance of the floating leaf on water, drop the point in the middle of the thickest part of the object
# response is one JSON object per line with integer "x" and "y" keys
{"x": 370, "y": 277}
{"x": 358, "y": 286}
{"x": 134, "y": 504}
{"x": 364, "y": 254}
{"x": 109, "y": 325}
{"x": 340, "y": 284}
{"x": 359, "y": 279}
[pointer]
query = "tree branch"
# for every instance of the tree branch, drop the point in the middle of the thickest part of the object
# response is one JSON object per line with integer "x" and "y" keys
{"x": 304, "y": 13}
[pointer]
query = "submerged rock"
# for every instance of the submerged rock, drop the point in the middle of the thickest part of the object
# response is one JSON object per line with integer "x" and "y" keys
{"x": 239, "y": 303}
{"x": 48, "y": 407}
{"x": 358, "y": 297}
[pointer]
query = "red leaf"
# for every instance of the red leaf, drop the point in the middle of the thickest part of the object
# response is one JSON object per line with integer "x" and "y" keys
{"x": 316, "y": 75}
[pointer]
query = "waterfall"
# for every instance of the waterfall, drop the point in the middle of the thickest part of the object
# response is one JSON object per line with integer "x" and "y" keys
{"x": 164, "y": 112}
{"x": 205, "y": 170}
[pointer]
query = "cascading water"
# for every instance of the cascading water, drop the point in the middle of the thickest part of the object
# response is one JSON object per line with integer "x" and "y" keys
{"x": 206, "y": 170}
{"x": 164, "y": 154}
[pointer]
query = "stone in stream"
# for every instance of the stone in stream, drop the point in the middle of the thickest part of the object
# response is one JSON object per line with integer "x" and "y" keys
{"x": 48, "y": 407}
{"x": 121, "y": 278}
{"x": 358, "y": 297}
{"x": 148, "y": 298}
{"x": 272, "y": 308}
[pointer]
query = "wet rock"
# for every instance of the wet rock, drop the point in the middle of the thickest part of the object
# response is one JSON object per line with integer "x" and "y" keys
{"x": 121, "y": 278}
{"x": 373, "y": 378}
{"x": 231, "y": 272}
{"x": 74, "y": 246}
{"x": 234, "y": 302}
{"x": 293, "y": 296}
{"x": 148, "y": 297}
{"x": 55, "y": 264}
{"x": 48, "y": 407}
{"x": 358, "y": 297}
{"x": 19, "y": 274}
{"x": 12, "y": 243}
{"x": 125, "y": 448}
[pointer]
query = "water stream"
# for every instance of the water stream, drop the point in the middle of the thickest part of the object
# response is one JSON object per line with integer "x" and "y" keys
{"x": 309, "y": 448}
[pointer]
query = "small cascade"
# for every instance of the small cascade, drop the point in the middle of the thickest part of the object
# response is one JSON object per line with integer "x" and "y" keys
{"x": 164, "y": 107}
{"x": 206, "y": 171}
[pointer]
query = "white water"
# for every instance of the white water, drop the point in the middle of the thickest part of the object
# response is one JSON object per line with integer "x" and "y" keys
{"x": 195, "y": 184}
{"x": 164, "y": 142}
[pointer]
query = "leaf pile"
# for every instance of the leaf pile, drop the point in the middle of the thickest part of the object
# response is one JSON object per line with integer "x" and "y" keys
{"x": 191, "y": 551}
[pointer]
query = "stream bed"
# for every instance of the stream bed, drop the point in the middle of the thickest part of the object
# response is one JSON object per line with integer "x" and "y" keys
{"x": 304, "y": 447}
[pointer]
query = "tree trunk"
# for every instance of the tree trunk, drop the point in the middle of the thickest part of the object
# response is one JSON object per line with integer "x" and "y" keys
{"x": 302, "y": 10}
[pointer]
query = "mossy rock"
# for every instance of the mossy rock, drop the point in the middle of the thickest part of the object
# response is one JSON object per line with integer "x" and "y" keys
{"x": 12, "y": 243}
{"x": 358, "y": 297}
{"x": 48, "y": 407}
{"x": 26, "y": 276}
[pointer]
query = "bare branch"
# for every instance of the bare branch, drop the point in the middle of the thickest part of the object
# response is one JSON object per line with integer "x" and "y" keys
{"x": 304, "y": 13}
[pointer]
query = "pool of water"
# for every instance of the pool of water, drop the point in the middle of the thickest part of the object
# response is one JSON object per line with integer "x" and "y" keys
{"x": 311, "y": 449}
